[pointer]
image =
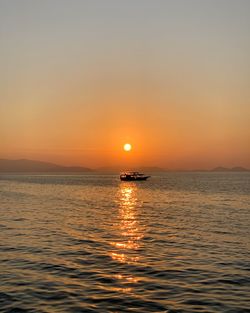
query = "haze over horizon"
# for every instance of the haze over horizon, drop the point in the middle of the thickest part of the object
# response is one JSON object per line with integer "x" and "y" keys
{"x": 79, "y": 79}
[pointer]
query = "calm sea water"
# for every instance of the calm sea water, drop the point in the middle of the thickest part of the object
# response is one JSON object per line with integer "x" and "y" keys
{"x": 90, "y": 243}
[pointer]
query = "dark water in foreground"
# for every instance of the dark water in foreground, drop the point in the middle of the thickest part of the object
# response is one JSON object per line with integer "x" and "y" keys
{"x": 176, "y": 243}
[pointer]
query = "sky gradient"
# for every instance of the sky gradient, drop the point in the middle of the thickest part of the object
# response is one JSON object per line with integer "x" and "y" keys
{"x": 78, "y": 79}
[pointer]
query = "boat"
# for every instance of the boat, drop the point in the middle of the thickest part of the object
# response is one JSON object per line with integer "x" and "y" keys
{"x": 132, "y": 176}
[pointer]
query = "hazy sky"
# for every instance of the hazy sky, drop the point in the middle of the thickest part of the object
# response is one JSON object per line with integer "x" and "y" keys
{"x": 78, "y": 79}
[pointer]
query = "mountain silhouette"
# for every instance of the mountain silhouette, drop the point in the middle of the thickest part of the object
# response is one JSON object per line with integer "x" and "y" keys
{"x": 24, "y": 165}
{"x": 226, "y": 169}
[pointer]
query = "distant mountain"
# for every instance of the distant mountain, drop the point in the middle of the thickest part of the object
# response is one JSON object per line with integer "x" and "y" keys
{"x": 220, "y": 169}
{"x": 239, "y": 169}
{"x": 24, "y": 165}
{"x": 233, "y": 169}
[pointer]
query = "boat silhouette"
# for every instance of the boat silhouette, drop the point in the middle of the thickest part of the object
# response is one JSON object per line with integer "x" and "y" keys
{"x": 132, "y": 176}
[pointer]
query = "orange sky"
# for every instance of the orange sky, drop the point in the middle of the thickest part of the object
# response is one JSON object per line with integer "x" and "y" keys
{"x": 81, "y": 78}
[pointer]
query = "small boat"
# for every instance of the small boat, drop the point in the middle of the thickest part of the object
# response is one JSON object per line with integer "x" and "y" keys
{"x": 132, "y": 176}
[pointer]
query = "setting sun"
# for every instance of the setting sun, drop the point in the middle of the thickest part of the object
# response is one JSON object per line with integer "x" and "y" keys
{"x": 127, "y": 147}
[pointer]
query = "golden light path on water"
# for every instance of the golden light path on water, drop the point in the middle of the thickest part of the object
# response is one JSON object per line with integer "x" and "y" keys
{"x": 129, "y": 228}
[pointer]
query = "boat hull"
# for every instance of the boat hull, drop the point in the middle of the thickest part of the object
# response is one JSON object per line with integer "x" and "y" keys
{"x": 134, "y": 178}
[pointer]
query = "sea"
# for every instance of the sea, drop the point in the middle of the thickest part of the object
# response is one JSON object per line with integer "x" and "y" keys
{"x": 178, "y": 242}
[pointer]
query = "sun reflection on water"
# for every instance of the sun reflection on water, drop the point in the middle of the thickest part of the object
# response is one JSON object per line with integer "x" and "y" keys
{"x": 129, "y": 229}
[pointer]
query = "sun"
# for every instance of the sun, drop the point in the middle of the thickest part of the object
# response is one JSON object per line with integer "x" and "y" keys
{"x": 127, "y": 147}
